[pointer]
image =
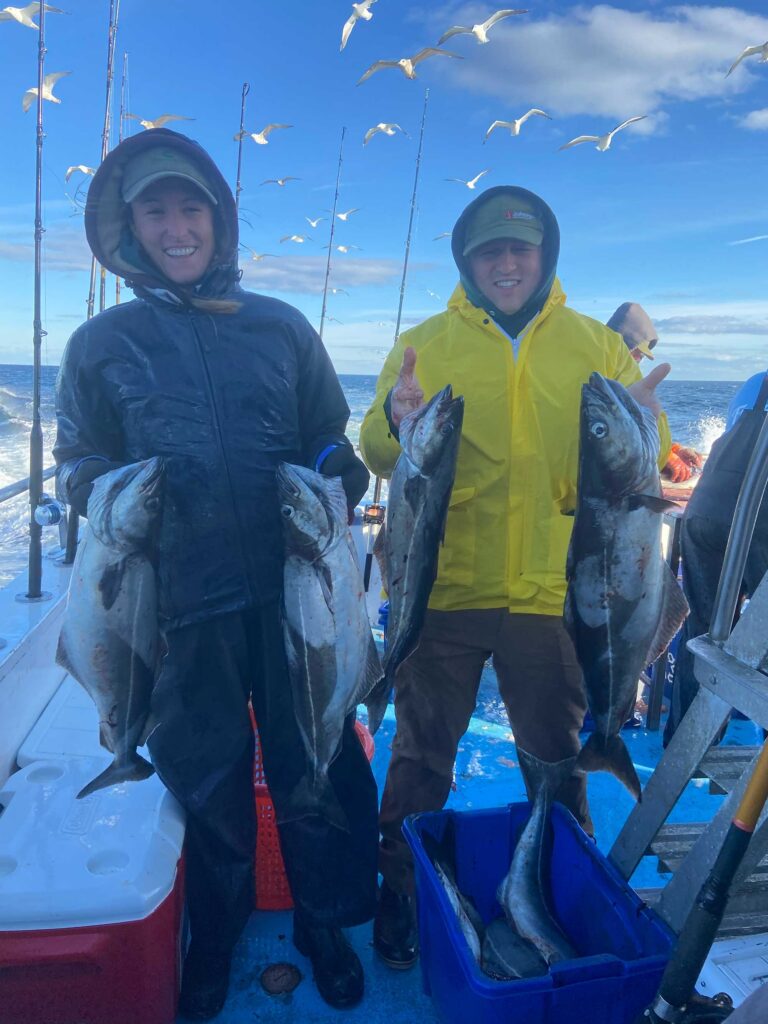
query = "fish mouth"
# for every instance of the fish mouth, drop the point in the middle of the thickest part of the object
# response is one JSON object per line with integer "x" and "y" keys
{"x": 153, "y": 478}
{"x": 286, "y": 481}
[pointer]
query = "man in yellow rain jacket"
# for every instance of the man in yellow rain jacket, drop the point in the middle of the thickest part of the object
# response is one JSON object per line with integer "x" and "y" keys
{"x": 508, "y": 343}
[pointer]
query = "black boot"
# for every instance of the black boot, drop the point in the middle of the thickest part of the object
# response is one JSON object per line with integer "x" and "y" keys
{"x": 395, "y": 932}
{"x": 336, "y": 969}
{"x": 204, "y": 984}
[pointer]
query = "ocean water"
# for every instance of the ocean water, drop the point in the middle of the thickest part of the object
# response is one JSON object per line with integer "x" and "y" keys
{"x": 696, "y": 412}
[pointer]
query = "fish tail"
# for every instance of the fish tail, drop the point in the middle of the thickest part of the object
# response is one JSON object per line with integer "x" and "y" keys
{"x": 132, "y": 770}
{"x": 609, "y": 754}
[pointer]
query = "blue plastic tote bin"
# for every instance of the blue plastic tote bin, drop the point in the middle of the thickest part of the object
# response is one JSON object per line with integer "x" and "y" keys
{"x": 623, "y": 946}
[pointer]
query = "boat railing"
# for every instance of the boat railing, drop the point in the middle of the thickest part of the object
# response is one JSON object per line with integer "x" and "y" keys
{"x": 57, "y": 513}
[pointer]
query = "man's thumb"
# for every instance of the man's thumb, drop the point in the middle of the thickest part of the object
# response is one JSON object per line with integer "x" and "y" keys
{"x": 409, "y": 360}
{"x": 657, "y": 375}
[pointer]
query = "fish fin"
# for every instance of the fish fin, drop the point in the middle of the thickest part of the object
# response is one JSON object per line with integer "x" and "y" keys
{"x": 674, "y": 610}
{"x": 133, "y": 770}
{"x": 376, "y": 702}
{"x": 337, "y": 498}
{"x": 149, "y": 727}
{"x": 111, "y": 581}
{"x": 326, "y": 583}
{"x": 545, "y": 775}
{"x": 609, "y": 754}
{"x": 380, "y": 555}
{"x": 308, "y": 799}
{"x": 652, "y": 502}
{"x": 105, "y": 739}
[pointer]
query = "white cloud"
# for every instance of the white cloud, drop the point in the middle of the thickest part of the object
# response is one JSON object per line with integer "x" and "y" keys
{"x": 306, "y": 274}
{"x": 756, "y": 120}
{"x": 712, "y": 324}
{"x": 64, "y": 248}
{"x": 745, "y": 241}
{"x": 603, "y": 61}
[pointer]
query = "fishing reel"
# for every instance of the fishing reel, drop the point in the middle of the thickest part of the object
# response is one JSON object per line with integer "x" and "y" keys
{"x": 698, "y": 1010}
{"x": 374, "y": 514}
{"x": 49, "y": 511}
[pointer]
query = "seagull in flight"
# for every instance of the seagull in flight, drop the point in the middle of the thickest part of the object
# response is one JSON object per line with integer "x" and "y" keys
{"x": 260, "y": 138}
{"x": 313, "y": 222}
{"x": 480, "y": 32}
{"x": 444, "y": 234}
{"x": 343, "y": 248}
{"x": 159, "y": 121}
{"x": 603, "y": 141}
{"x": 258, "y": 256}
{"x": 294, "y": 238}
{"x": 750, "y": 51}
{"x": 48, "y": 83}
{"x": 348, "y": 214}
{"x": 408, "y": 64}
{"x": 361, "y": 10}
{"x": 386, "y": 128}
{"x": 516, "y": 125}
{"x": 24, "y": 15}
{"x": 278, "y": 181}
{"x": 338, "y": 291}
{"x": 78, "y": 167}
{"x": 473, "y": 181}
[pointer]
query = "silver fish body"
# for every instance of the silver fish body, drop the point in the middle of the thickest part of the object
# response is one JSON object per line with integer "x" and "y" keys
{"x": 623, "y": 604}
{"x": 417, "y": 506}
{"x": 507, "y": 955}
{"x": 332, "y": 658}
{"x": 109, "y": 639}
{"x": 522, "y": 893}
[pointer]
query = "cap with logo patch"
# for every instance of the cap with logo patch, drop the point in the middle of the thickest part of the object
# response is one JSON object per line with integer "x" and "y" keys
{"x": 162, "y": 162}
{"x": 504, "y": 216}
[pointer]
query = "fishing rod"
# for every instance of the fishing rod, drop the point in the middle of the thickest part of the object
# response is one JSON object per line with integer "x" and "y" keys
{"x": 120, "y": 129}
{"x": 114, "y": 7}
{"x": 35, "y": 568}
{"x": 374, "y": 512}
{"x": 240, "y": 137}
{"x": 330, "y": 238}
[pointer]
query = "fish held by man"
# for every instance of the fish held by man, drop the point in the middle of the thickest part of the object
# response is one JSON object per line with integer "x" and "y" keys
{"x": 110, "y": 638}
{"x": 419, "y": 492}
{"x": 332, "y": 658}
{"x": 623, "y": 604}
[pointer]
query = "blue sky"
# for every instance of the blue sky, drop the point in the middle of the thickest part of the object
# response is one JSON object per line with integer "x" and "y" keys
{"x": 674, "y": 215}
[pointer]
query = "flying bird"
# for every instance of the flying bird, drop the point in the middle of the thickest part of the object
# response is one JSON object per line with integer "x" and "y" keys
{"x": 480, "y": 32}
{"x": 313, "y": 222}
{"x": 473, "y": 181}
{"x": 260, "y": 138}
{"x": 338, "y": 291}
{"x": 603, "y": 141}
{"x": 257, "y": 256}
{"x": 348, "y": 214}
{"x": 48, "y": 83}
{"x": 444, "y": 234}
{"x": 278, "y": 181}
{"x": 433, "y": 295}
{"x": 408, "y": 64}
{"x": 332, "y": 319}
{"x": 385, "y": 127}
{"x": 343, "y": 248}
{"x": 361, "y": 10}
{"x": 159, "y": 121}
{"x": 78, "y": 167}
{"x": 294, "y": 238}
{"x": 516, "y": 125}
{"x": 750, "y": 51}
{"x": 24, "y": 15}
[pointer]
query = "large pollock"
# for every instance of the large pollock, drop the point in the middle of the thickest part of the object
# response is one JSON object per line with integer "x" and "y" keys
{"x": 623, "y": 604}
{"x": 110, "y": 637}
{"x": 332, "y": 658}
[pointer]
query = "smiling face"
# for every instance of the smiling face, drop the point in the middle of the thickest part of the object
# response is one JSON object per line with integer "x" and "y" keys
{"x": 507, "y": 271}
{"x": 173, "y": 222}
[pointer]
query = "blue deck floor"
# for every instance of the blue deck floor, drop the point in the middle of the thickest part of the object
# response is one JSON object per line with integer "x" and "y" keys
{"x": 486, "y": 776}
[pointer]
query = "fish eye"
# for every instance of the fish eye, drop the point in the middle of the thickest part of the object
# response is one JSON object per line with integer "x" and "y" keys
{"x": 446, "y": 429}
{"x": 598, "y": 429}
{"x": 286, "y": 511}
{"x": 152, "y": 504}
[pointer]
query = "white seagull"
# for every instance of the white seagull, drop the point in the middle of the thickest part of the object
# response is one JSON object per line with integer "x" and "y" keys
{"x": 444, "y": 234}
{"x": 48, "y": 83}
{"x": 78, "y": 167}
{"x": 257, "y": 256}
{"x": 472, "y": 181}
{"x": 516, "y": 125}
{"x": 313, "y": 222}
{"x": 159, "y": 121}
{"x": 343, "y": 248}
{"x": 338, "y": 291}
{"x": 408, "y": 64}
{"x": 348, "y": 214}
{"x": 750, "y": 51}
{"x": 294, "y": 238}
{"x": 24, "y": 15}
{"x": 480, "y": 32}
{"x": 603, "y": 141}
{"x": 278, "y": 181}
{"x": 386, "y": 127}
{"x": 260, "y": 138}
{"x": 361, "y": 10}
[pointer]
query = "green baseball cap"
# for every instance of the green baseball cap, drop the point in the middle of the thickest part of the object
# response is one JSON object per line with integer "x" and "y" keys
{"x": 503, "y": 216}
{"x": 162, "y": 162}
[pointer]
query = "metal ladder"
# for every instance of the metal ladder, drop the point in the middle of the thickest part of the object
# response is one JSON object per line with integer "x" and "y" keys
{"x": 732, "y": 670}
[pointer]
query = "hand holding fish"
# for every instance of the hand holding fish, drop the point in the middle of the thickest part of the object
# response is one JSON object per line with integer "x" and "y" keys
{"x": 407, "y": 395}
{"x": 644, "y": 391}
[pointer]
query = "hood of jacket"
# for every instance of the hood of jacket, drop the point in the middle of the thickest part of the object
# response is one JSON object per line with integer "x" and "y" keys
{"x": 512, "y": 323}
{"x": 113, "y": 244}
